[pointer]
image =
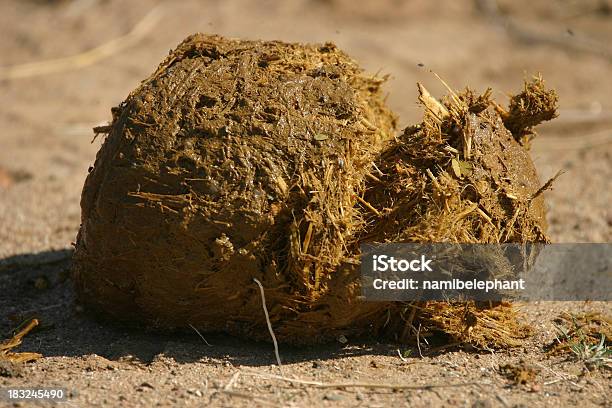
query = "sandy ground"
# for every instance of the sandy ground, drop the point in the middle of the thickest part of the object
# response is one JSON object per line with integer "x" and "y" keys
{"x": 46, "y": 149}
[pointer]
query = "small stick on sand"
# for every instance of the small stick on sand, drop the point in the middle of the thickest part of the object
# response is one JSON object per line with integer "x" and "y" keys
{"x": 418, "y": 336}
{"x": 265, "y": 309}
{"x": 200, "y": 334}
{"x": 7, "y": 345}
{"x": 317, "y": 384}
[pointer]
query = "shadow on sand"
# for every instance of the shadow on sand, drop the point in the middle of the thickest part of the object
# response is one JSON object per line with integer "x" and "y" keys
{"x": 38, "y": 286}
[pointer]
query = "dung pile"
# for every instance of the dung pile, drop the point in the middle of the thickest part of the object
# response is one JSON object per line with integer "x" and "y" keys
{"x": 237, "y": 160}
{"x": 462, "y": 177}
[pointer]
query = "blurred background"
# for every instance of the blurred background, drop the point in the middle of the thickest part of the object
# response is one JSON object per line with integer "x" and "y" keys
{"x": 65, "y": 63}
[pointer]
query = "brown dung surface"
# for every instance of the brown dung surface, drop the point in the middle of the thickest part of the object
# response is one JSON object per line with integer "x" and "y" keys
{"x": 235, "y": 160}
{"x": 460, "y": 176}
{"x": 238, "y": 160}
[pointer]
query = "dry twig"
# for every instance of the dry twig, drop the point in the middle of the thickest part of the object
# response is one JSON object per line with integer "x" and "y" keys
{"x": 265, "y": 309}
{"x": 200, "y": 334}
{"x": 318, "y": 384}
{"x": 7, "y": 345}
{"x": 547, "y": 185}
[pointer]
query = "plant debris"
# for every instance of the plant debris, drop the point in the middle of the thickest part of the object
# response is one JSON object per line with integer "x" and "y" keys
{"x": 586, "y": 337}
{"x": 481, "y": 326}
{"x": 529, "y": 108}
{"x": 520, "y": 374}
{"x": 9, "y": 344}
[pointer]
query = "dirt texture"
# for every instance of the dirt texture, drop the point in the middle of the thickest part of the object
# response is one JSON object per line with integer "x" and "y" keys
{"x": 45, "y": 127}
